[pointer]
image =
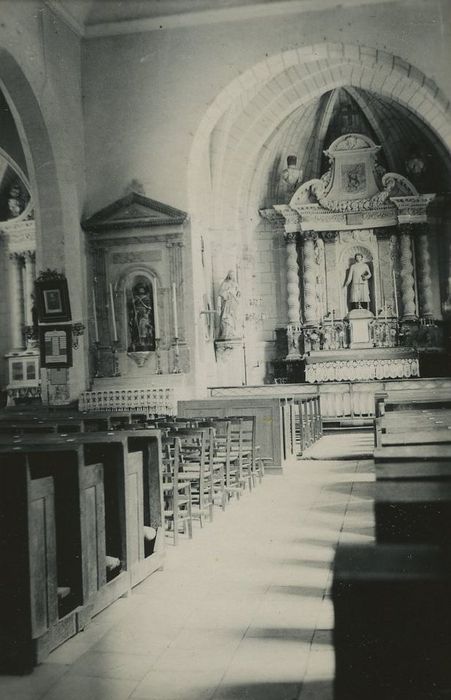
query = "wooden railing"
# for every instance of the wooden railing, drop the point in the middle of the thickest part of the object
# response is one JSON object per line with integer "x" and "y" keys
{"x": 345, "y": 402}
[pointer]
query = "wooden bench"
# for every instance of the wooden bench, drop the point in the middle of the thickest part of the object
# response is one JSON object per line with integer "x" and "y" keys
{"x": 411, "y": 511}
{"x": 65, "y": 422}
{"x": 98, "y": 496}
{"x": 427, "y": 470}
{"x": 392, "y": 634}
{"x": 399, "y": 411}
{"x": 413, "y": 453}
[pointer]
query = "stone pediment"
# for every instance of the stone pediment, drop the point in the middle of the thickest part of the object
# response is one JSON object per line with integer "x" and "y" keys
{"x": 355, "y": 192}
{"x": 134, "y": 211}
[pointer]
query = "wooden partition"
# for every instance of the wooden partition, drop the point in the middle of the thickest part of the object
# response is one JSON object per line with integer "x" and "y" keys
{"x": 342, "y": 403}
{"x": 284, "y": 425}
{"x": 75, "y": 514}
{"x": 269, "y": 415}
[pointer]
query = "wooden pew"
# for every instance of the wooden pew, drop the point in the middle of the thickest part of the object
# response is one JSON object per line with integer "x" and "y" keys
{"x": 65, "y": 422}
{"x": 412, "y": 511}
{"x": 96, "y": 496}
{"x": 434, "y": 436}
{"x": 413, "y": 471}
{"x": 404, "y": 408}
{"x": 413, "y": 453}
{"x": 392, "y": 634}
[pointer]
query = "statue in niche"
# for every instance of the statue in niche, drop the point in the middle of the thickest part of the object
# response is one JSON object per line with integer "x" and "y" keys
{"x": 228, "y": 302}
{"x": 358, "y": 276}
{"x": 141, "y": 318}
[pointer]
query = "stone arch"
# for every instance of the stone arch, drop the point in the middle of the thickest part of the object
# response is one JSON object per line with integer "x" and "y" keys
{"x": 39, "y": 156}
{"x": 252, "y": 106}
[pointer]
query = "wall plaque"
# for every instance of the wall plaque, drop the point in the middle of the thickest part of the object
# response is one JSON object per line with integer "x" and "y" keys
{"x": 136, "y": 256}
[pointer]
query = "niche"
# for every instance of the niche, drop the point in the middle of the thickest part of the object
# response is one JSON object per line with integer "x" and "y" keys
{"x": 140, "y": 314}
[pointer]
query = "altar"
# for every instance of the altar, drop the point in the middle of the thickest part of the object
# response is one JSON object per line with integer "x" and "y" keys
{"x": 362, "y": 286}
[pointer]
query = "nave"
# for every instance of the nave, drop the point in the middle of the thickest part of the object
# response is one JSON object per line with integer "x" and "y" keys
{"x": 243, "y": 610}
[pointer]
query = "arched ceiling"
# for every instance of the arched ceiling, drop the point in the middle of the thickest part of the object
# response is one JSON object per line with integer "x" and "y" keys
{"x": 311, "y": 128}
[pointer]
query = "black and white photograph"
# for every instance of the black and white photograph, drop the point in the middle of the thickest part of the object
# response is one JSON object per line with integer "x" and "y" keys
{"x": 225, "y": 349}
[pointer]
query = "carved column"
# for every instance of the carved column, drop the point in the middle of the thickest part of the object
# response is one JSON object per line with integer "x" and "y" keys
{"x": 310, "y": 318}
{"x": 294, "y": 308}
{"x": 15, "y": 300}
{"x": 407, "y": 275}
{"x": 29, "y": 256}
{"x": 424, "y": 273}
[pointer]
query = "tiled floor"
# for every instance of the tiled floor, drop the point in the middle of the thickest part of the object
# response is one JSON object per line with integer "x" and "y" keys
{"x": 241, "y": 611}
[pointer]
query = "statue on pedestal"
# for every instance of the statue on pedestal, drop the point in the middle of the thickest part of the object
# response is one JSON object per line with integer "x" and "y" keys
{"x": 228, "y": 302}
{"x": 358, "y": 276}
{"x": 141, "y": 319}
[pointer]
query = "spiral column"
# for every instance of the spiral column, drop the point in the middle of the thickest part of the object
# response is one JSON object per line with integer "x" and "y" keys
{"x": 424, "y": 273}
{"x": 407, "y": 275}
{"x": 294, "y": 308}
{"x": 309, "y": 280}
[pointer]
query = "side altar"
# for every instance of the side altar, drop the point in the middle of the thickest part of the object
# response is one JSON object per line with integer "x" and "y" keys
{"x": 139, "y": 287}
{"x": 361, "y": 257}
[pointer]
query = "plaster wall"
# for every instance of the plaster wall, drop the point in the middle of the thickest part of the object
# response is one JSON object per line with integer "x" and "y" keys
{"x": 145, "y": 94}
{"x": 40, "y": 75}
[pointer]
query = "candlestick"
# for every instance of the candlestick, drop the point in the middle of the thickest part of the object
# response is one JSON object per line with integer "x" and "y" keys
{"x": 113, "y": 314}
{"x": 395, "y": 294}
{"x": 96, "y": 328}
{"x": 174, "y": 311}
{"x": 385, "y": 312}
{"x": 333, "y": 316}
{"x": 155, "y": 314}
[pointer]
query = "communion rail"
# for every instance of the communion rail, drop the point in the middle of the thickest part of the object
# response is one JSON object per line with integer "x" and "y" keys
{"x": 342, "y": 403}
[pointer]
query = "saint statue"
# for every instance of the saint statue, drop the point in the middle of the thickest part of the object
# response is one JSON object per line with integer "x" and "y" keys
{"x": 358, "y": 276}
{"x": 141, "y": 319}
{"x": 228, "y": 301}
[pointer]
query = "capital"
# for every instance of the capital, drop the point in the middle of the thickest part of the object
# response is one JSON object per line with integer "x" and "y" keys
{"x": 291, "y": 236}
{"x": 309, "y": 235}
{"x": 329, "y": 236}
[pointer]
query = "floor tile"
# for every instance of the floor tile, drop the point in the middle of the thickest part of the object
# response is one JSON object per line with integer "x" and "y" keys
{"x": 113, "y": 665}
{"x": 73, "y": 687}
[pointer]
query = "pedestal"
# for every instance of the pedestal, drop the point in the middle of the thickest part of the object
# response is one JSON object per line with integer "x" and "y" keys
{"x": 359, "y": 326}
{"x": 230, "y": 359}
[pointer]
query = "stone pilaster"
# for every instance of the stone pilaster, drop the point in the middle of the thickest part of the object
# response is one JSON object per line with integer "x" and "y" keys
{"x": 425, "y": 293}
{"x": 409, "y": 311}
{"x": 333, "y": 289}
{"x": 15, "y": 300}
{"x": 29, "y": 257}
{"x": 309, "y": 278}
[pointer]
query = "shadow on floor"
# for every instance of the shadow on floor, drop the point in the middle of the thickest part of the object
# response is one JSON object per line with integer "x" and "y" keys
{"x": 311, "y": 563}
{"x": 258, "y": 691}
{"x": 290, "y": 634}
{"x": 311, "y": 591}
{"x": 309, "y": 690}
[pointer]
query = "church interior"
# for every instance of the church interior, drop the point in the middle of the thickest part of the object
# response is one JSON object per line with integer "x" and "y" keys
{"x": 225, "y": 377}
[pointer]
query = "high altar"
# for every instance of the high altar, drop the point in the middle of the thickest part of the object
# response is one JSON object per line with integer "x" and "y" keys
{"x": 360, "y": 269}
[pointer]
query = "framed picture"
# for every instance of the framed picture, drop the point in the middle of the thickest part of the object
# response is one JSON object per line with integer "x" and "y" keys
{"x": 52, "y": 300}
{"x": 56, "y": 346}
